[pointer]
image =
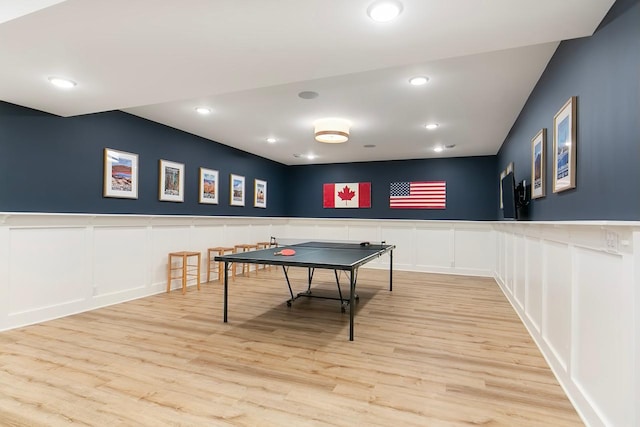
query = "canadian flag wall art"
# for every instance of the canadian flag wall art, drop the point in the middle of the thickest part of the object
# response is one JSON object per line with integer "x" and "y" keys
{"x": 346, "y": 195}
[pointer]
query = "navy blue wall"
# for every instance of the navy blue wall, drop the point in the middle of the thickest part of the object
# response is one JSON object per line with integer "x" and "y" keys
{"x": 55, "y": 164}
{"x": 603, "y": 71}
{"x": 472, "y": 187}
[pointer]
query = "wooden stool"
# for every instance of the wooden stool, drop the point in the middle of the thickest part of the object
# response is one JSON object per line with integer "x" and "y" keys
{"x": 265, "y": 245}
{"x": 184, "y": 269}
{"x": 218, "y": 267}
{"x": 245, "y": 248}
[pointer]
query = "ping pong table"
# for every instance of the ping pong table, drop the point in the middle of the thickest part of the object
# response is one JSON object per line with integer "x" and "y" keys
{"x": 336, "y": 256}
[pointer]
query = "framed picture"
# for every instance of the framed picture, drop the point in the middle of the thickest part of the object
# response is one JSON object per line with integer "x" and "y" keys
{"x": 260, "y": 193}
{"x": 120, "y": 174}
{"x": 171, "y": 181}
{"x": 502, "y": 175}
{"x": 538, "y": 158}
{"x": 236, "y": 182}
{"x": 208, "y": 186}
{"x": 564, "y": 147}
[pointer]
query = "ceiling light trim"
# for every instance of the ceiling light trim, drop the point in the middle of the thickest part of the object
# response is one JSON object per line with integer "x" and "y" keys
{"x": 332, "y": 130}
{"x": 62, "y": 82}
{"x": 384, "y": 10}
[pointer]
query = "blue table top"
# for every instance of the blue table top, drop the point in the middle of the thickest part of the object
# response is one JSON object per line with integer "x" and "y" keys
{"x": 330, "y": 255}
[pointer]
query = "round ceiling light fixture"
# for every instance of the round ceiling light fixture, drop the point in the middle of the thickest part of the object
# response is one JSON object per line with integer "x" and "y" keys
{"x": 419, "y": 80}
{"x": 384, "y": 10}
{"x": 332, "y": 130}
{"x": 431, "y": 126}
{"x": 438, "y": 149}
{"x": 62, "y": 82}
{"x": 271, "y": 140}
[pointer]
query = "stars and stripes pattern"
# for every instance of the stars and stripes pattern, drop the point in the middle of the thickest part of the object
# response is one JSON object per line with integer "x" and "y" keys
{"x": 418, "y": 195}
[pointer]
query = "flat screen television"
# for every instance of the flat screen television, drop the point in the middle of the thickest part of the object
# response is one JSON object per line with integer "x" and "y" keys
{"x": 509, "y": 200}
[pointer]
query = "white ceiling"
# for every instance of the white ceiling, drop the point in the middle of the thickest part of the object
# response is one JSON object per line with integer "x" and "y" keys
{"x": 248, "y": 60}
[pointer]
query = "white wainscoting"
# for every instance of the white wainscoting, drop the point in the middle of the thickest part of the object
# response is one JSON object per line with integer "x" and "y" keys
{"x": 60, "y": 264}
{"x": 576, "y": 287}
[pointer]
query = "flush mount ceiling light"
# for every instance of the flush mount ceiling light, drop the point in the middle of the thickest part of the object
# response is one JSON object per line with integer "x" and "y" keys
{"x": 203, "y": 110}
{"x": 332, "y": 130}
{"x": 419, "y": 80}
{"x": 384, "y": 10}
{"x": 438, "y": 149}
{"x": 271, "y": 140}
{"x": 61, "y": 82}
{"x": 431, "y": 126}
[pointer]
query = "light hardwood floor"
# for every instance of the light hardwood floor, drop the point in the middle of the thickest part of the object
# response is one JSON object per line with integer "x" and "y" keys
{"x": 437, "y": 351}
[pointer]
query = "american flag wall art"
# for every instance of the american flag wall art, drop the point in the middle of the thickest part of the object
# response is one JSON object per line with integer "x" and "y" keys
{"x": 418, "y": 195}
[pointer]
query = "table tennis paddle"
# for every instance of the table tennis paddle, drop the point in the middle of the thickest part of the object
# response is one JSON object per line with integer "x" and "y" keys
{"x": 286, "y": 252}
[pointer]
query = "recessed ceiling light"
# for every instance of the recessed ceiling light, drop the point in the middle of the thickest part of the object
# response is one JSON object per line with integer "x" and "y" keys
{"x": 419, "y": 80}
{"x": 62, "y": 83}
{"x": 271, "y": 140}
{"x": 438, "y": 149}
{"x": 384, "y": 10}
{"x": 431, "y": 126}
{"x": 203, "y": 110}
{"x": 305, "y": 156}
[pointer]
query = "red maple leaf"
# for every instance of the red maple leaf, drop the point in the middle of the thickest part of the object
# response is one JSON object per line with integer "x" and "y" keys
{"x": 346, "y": 193}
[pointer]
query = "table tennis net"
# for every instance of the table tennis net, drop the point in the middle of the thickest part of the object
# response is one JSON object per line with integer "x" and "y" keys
{"x": 324, "y": 243}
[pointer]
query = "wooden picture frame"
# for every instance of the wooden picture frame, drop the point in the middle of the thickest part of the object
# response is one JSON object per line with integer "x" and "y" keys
{"x": 208, "y": 187}
{"x": 260, "y": 193}
{"x": 120, "y": 174}
{"x": 504, "y": 173}
{"x": 171, "y": 181}
{"x": 538, "y": 160}
{"x": 564, "y": 147}
{"x": 236, "y": 190}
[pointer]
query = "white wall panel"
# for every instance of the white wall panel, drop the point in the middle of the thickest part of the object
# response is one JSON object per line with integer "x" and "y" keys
{"x": 119, "y": 259}
{"x": 519, "y": 278}
{"x": 238, "y": 234}
{"x": 500, "y": 254}
{"x": 404, "y": 256}
{"x": 473, "y": 250}
{"x": 202, "y": 238}
{"x": 509, "y": 261}
{"x": 433, "y": 248}
{"x": 47, "y": 268}
{"x": 604, "y": 334}
{"x": 556, "y": 323}
{"x": 4, "y": 272}
{"x": 166, "y": 239}
{"x": 261, "y": 232}
{"x": 368, "y": 232}
{"x": 325, "y": 231}
{"x": 534, "y": 282}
